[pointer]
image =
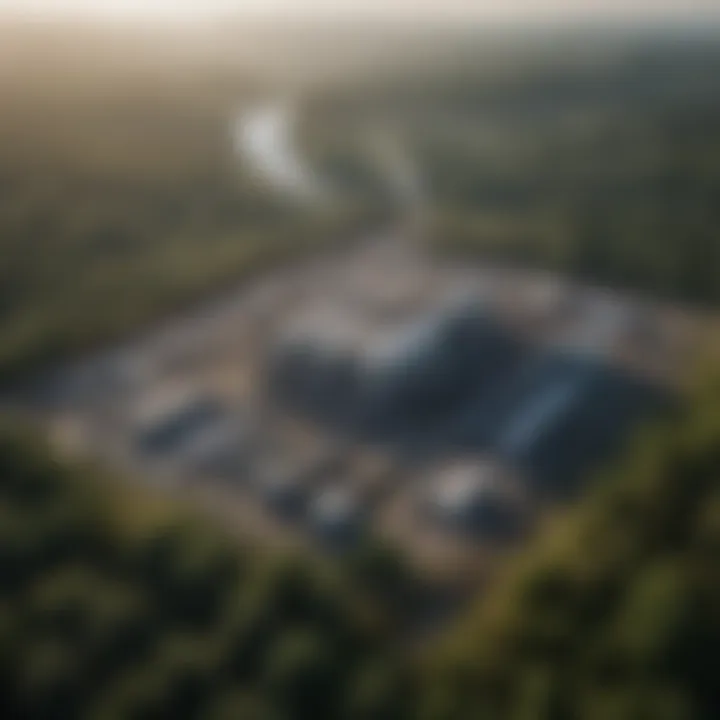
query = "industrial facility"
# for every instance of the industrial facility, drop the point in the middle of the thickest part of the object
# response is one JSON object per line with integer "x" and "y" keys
{"x": 380, "y": 393}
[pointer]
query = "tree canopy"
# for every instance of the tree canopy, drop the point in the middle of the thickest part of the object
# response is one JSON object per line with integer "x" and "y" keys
{"x": 616, "y": 611}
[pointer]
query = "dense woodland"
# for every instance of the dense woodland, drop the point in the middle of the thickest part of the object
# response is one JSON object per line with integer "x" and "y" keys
{"x": 594, "y": 155}
{"x": 615, "y": 613}
{"x": 113, "y": 604}
{"x": 121, "y": 198}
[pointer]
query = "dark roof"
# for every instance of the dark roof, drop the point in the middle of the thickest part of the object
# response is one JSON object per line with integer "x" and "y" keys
{"x": 573, "y": 414}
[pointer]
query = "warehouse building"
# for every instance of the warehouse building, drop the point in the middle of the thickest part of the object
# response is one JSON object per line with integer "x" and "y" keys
{"x": 393, "y": 384}
{"x": 566, "y": 414}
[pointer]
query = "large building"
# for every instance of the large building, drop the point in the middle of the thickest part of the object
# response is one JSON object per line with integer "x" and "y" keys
{"x": 565, "y": 414}
{"x": 458, "y": 380}
{"x": 395, "y": 384}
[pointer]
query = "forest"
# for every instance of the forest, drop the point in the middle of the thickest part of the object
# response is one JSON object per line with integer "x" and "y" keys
{"x": 116, "y": 603}
{"x": 596, "y": 156}
{"x": 121, "y": 199}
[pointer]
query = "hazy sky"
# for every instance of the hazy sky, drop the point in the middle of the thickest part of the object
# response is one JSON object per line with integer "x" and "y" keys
{"x": 470, "y": 8}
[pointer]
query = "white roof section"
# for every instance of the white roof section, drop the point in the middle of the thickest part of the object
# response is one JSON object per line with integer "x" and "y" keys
{"x": 344, "y": 327}
{"x": 463, "y": 484}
